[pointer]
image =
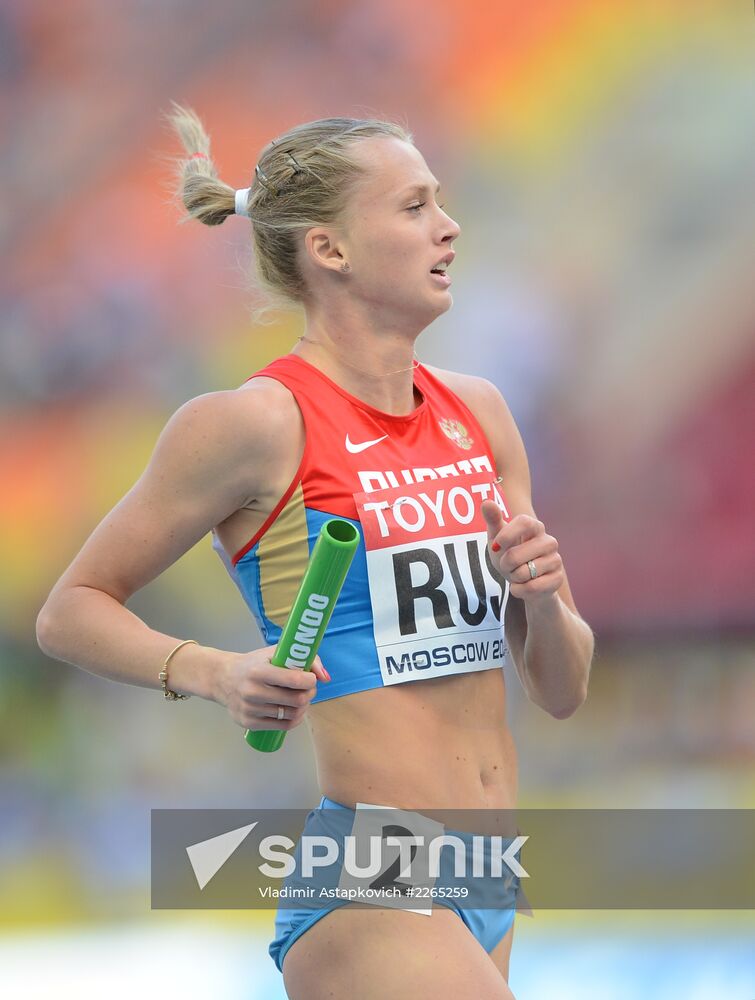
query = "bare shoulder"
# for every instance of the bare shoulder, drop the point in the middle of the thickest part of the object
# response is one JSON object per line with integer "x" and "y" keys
{"x": 213, "y": 456}
{"x": 248, "y": 420}
{"x": 271, "y": 391}
{"x": 269, "y": 407}
{"x": 258, "y": 397}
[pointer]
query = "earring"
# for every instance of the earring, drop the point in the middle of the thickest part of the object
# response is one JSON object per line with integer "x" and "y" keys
{"x": 345, "y": 267}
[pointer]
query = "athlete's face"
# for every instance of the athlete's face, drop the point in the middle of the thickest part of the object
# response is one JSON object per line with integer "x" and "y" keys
{"x": 395, "y": 232}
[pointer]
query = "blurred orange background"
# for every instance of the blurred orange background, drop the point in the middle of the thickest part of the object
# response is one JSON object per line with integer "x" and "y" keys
{"x": 598, "y": 155}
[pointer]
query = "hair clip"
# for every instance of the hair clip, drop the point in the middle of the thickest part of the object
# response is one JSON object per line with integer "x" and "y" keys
{"x": 264, "y": 181}
{"x": 298, "y": 169}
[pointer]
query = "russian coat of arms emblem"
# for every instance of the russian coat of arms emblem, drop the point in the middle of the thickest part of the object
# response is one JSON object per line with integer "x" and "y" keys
{"x": 457, "y": 432}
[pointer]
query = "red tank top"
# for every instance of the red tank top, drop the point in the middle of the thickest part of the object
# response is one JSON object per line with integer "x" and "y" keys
{"x": 422, "y": 598}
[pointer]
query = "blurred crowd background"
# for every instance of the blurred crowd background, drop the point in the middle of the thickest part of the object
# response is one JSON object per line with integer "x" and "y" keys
{"x": 598, "y": 155}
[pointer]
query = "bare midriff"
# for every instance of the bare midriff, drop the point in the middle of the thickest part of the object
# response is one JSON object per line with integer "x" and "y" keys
{"x": 431, "y": 744}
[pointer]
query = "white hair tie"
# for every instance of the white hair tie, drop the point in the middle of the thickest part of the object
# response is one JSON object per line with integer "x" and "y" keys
{"x": 242, "y": 198}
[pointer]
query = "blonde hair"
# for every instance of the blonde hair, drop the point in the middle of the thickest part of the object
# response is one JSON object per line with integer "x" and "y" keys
{"x": 307, "y": 177}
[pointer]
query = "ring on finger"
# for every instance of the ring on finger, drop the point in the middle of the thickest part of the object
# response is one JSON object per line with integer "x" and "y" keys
{"x": 532, "y": 568}
{"x": 281, "y": 713}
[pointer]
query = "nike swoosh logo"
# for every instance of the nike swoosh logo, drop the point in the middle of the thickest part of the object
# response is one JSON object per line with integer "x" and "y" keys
{"x": 356, "y": 448}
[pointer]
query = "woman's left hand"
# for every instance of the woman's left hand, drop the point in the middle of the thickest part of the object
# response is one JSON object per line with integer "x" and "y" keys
{"x": 519, "y": 545}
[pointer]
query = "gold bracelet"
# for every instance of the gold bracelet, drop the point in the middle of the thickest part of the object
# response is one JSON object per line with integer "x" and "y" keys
{"x": 173, "y": 695}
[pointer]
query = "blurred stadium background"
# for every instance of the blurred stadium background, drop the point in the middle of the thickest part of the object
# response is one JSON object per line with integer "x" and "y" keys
{"x": 598, "y": 155}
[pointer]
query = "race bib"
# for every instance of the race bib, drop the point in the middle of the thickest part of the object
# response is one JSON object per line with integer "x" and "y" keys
{"x": 437, "y": 600}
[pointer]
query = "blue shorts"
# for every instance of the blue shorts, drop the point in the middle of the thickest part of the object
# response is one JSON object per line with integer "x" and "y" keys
{"x": 489, "y": 925}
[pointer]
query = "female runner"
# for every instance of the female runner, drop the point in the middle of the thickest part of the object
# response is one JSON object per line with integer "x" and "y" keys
{"x": 406, "y": 702}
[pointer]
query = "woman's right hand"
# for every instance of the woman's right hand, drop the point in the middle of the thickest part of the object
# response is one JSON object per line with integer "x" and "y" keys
{"x": 252, "y": 688}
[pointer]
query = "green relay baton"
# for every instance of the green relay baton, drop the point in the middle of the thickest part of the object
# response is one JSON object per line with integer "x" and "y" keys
{"x": 310, "y": 614}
